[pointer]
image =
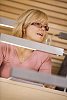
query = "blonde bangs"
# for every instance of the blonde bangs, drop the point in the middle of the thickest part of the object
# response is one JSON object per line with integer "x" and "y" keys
{"x": 36, "y": 16}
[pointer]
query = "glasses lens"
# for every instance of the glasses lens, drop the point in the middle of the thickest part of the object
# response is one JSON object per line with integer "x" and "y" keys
{"x": 40, "y": 25}
{"x": 46, "y": 28}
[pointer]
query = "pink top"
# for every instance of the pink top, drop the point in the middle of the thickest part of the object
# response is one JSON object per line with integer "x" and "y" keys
{"x": 38, "y": 61}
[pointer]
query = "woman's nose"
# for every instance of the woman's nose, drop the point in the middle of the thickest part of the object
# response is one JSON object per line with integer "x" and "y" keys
{"x": 42, "y": 28}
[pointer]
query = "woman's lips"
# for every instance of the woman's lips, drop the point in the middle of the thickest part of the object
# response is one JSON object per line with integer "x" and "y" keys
{"x": 40, "y": 34}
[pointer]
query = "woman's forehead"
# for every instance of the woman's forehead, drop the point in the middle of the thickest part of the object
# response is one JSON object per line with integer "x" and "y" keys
{"x": 42, "y": 21}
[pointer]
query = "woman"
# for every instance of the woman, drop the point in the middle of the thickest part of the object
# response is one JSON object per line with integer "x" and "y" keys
{"x": 31, "y": 25}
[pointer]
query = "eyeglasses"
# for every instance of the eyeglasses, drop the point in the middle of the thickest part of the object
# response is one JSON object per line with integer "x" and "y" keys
{"x": 39, "y": 25}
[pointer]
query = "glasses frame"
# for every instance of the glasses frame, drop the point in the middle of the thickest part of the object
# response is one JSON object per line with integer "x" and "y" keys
{"x": 39, "y": 25}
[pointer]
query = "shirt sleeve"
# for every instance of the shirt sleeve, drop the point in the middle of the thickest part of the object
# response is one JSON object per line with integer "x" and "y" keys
{"x": 46, "y": 65}
{"x": 1, "y": 55}
{"x": 2, "y": 52}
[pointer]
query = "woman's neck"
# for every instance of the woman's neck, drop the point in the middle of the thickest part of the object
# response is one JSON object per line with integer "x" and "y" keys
{"x": 23, "y": 51}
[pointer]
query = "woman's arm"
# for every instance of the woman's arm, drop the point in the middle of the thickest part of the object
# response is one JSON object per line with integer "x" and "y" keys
{"x": 1, "y": 54}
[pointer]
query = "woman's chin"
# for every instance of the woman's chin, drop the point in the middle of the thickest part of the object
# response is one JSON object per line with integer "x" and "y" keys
{"x": 40, "y": 41}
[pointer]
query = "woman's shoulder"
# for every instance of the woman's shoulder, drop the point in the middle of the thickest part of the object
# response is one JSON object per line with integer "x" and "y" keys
{"x": 2, "y": 44}
{"x": 43, "y": 53}
{"x": 6, "y": 46}
{"x": 43, "y": 56}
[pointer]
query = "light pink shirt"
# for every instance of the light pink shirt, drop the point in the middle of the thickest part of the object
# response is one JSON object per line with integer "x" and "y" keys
{"x": 38, "y": 61}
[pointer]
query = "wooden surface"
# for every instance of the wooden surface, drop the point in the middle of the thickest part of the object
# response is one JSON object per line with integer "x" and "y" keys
{"x": 12, "y": 90}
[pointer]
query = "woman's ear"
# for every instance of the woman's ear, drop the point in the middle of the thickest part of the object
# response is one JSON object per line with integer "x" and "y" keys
{"x": 24, "y": 30}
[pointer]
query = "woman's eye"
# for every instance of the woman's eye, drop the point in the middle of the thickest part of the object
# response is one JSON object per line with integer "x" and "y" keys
{"x": 38, "y": 23}
{"x": 46, "y": 28}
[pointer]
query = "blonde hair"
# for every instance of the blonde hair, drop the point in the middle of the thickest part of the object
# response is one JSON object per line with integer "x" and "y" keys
{"x": 26, "y": 18}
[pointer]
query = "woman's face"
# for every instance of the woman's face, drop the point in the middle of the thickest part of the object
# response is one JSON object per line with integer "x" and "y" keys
{"x": 36, "y": 32}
